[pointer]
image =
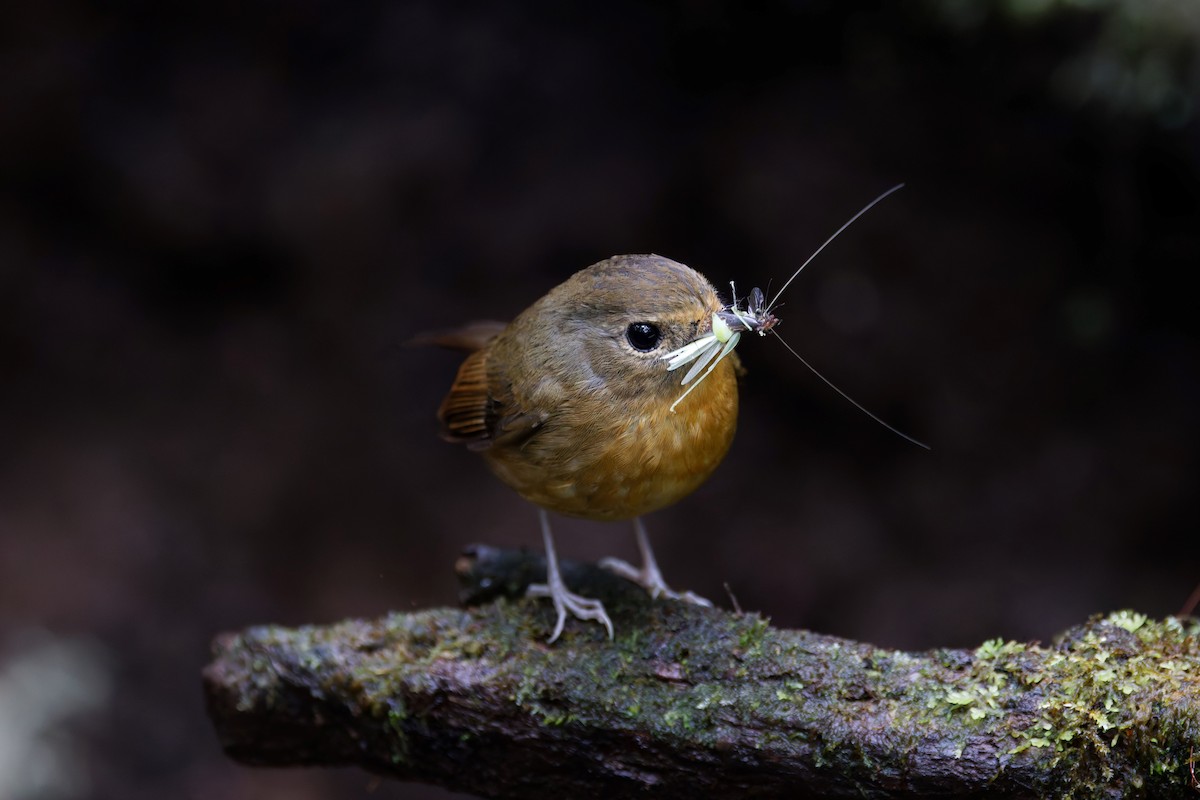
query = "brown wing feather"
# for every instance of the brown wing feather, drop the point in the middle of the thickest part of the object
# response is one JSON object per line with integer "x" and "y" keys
{"x": 467, "y": 413}
{"x": 480, "y": 409}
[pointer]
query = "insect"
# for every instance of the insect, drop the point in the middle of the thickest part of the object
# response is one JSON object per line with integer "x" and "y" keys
{"x": 757, "y": 316}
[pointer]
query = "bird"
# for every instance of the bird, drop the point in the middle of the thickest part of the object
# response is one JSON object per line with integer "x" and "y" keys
{"x": 578, "y": 405}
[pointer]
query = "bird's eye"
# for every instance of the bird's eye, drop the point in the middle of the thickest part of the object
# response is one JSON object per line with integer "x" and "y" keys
{"x": 644, "y": 336}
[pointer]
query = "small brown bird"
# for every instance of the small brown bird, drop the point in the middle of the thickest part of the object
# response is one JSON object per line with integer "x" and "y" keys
{"x": 578, "y": 406}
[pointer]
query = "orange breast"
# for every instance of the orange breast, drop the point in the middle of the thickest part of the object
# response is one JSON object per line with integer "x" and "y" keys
{"x": 609, "y": 462}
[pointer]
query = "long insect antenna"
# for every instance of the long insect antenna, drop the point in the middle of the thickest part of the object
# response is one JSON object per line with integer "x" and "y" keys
{"x": 851, "y": 400}
{"x": 836, "y": 234}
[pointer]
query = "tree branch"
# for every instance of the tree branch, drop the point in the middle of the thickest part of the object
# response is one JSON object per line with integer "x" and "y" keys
{"x": 694, "y": 702}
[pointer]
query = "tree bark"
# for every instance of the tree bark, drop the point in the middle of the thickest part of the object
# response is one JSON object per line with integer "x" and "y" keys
{"x": 697, "y": 702}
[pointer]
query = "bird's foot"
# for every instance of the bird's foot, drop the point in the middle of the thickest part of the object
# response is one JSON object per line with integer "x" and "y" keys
{"x": 565, "y": 601}
{"x": 650, "y": 578}
{"x": 582, "y": 607}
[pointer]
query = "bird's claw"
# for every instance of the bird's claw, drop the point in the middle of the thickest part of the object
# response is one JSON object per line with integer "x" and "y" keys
{"x": 565, "y": 601}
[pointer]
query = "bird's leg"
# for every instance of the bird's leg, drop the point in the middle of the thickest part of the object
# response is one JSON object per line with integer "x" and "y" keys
{"x": 556, "y": 590}
{"x": 649, "y": 577}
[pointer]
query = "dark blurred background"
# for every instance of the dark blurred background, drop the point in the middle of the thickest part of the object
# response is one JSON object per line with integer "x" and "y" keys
{"x": 218, "y": 226}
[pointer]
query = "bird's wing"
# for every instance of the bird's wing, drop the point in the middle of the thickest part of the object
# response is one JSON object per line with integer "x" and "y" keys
{"x": 480, "y": 409}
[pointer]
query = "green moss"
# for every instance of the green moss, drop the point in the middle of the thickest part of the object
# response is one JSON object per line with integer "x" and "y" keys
{"x": 752, "y": 635}
{"x": 1111, "y": 680}
{"x": 395, "y": 715}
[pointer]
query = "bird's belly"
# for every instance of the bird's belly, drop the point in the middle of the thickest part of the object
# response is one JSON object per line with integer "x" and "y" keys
{"x": 652, "y": 458}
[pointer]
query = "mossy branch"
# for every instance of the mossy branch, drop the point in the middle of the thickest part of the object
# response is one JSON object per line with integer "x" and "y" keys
{"x": 693, "y": 702}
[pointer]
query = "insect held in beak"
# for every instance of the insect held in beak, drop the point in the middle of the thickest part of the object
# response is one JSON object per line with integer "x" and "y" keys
{"x": 757, "y": 316}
